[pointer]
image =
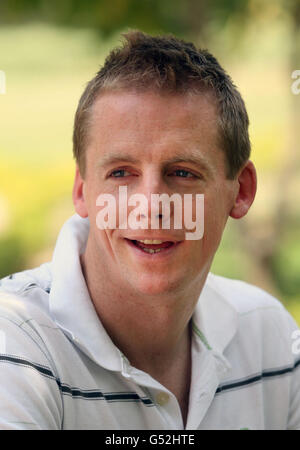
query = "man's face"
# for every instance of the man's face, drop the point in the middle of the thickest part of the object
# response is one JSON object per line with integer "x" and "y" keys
{"x": 155, "y": 144}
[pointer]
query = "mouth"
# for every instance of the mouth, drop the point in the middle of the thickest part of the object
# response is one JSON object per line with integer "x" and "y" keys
{"x": 152, "y": 247}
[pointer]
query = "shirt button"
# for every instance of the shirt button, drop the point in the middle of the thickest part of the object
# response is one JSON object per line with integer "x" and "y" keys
{"x": 162, "y": 398}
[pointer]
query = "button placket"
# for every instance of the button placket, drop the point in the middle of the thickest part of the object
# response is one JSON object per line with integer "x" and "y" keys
{"x": 162, "y": 398}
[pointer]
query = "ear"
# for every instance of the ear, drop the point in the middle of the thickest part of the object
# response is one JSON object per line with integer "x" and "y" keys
{"x": 78, "y": 195}
{"x": 247, "y": 183}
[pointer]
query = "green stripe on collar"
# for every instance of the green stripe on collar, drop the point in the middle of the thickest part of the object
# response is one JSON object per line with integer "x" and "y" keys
{"x": 201, "y": 336}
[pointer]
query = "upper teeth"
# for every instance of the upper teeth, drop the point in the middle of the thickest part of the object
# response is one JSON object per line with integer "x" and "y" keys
{"x": 150, "y": 241}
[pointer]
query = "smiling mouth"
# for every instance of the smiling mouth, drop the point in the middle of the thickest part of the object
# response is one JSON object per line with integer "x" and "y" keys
{"x": 152, "y": 246}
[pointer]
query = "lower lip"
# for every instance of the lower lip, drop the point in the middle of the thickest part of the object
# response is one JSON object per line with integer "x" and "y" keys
{"x": 162, "y": 254}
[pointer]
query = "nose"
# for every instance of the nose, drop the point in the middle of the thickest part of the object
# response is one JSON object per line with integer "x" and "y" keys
{"x": 152, "y": 186}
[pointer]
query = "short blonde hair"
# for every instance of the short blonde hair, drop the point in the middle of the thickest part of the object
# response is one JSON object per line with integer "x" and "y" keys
{"x": 168, "y": 65}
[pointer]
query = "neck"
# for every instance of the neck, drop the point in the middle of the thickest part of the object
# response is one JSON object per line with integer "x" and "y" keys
{"x": 151, "y": 330}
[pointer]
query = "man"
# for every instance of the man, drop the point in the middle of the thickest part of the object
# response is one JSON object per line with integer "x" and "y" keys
{"x": 126, "y": 328}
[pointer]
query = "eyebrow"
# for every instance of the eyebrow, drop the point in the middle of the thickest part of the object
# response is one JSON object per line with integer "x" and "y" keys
{"x": 192, "y": 157}
{"x": 112, "y": 158}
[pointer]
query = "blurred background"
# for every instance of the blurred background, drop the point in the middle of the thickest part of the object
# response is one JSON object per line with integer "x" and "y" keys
{"x": 50, "y": 49}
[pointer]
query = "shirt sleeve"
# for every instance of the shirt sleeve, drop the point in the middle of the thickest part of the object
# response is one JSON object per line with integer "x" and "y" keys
{"x": 30, "y": 398}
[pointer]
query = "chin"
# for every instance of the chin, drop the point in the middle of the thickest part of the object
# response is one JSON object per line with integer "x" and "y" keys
{"x": 157, "y": 285}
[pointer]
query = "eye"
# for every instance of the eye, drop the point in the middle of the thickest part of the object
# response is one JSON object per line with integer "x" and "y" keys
{"x": 183, "y": 173}
{"x": 119, "y": 173}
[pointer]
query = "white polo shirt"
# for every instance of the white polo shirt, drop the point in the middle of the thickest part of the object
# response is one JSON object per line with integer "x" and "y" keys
{"x": 59, "y": 368}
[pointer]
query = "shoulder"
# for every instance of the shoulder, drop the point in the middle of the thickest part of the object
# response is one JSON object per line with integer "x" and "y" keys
{"x": 25, "y": 316}
{"x": 243, "y": 297}
{"x": 21, "y": 281}
{"x": 27, "y": 366}
{"x": 25, "y": 293}
{"x": 265, "y": 330}
{"x": 259, "y": 314}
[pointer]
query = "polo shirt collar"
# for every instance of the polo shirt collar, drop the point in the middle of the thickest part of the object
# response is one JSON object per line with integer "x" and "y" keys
{"x": 215, "y": 319}
{"x": 69, "y": 299}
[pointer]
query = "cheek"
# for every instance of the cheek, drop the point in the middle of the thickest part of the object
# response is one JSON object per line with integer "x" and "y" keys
{"x": 89, "y": 195}
{"x": 93, "y": 189}
{"x": 216, "y": 206}
{"x": 215, "y": 218}
{"x": 102, "y": 241}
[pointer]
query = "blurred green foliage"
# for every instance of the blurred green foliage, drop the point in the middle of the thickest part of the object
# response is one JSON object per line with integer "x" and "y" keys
{"x": 107, "y": 16}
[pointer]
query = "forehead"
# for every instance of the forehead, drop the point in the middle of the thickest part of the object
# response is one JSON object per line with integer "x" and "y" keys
{"x": 148, "y": 109}
{"x": 153, "y": 124}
